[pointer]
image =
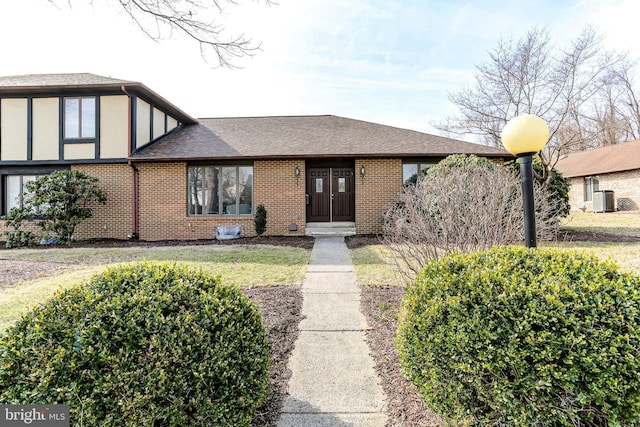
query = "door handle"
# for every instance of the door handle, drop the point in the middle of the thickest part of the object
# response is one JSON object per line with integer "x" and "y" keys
{"x": 306, "y": 198}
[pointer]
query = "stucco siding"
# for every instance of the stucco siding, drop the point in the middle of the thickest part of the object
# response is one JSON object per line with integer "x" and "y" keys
{"x": 13, "y": 129}
{"x": 46, "y": 126}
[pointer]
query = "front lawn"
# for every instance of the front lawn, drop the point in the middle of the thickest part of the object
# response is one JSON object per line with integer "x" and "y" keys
{"x": 241, "y": 265}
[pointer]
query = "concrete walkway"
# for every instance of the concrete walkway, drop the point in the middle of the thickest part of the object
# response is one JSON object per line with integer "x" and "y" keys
{"x": 333, "y": 381}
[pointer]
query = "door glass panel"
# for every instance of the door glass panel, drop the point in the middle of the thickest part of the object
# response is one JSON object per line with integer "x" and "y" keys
{"x": 342, "y": 185}
{"x": 318, "y": 185}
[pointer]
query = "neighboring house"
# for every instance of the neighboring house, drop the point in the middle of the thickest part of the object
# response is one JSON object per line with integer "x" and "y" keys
{"x": 169, "y": 176}
{"x": 614, "y": 168}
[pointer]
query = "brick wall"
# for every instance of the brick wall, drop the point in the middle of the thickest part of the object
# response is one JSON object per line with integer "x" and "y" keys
{"x": 112, "y": 220}
{"x": 282, "y": 194}
{"x": 163, "y": 202}
{"x": 376, "y": 192}
{"x": 625, "y": 185}
{"x": 163, "y": 206}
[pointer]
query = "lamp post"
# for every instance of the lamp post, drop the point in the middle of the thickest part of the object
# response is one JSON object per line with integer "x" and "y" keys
{"x": 523, "y": 137}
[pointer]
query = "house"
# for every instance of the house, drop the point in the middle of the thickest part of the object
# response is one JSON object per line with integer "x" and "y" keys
{"x": 167, "y": 175}
{"x": 614, "y": 168}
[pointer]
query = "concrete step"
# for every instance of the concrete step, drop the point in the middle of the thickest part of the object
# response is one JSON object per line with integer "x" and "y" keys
{"x": 331, "y": 229}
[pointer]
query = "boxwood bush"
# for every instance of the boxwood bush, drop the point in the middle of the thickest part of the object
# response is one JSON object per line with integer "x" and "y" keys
{"x": 141, "y": 345}
{"x": 514, "y": 336}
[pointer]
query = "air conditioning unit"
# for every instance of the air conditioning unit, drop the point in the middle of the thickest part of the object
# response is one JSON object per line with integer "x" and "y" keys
{"x": 603, "y": 201}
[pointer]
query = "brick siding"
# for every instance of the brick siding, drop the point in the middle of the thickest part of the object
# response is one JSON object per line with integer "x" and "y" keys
{"x": 163, "y": 200}
{"x": 376, "y": 192}
{"x": 112, "y": 220}
{"x": 282, "y": 194}
{"x": 163, "y": 208}
{"x": 109, "y": 221}
{"x": 625, "y": 185}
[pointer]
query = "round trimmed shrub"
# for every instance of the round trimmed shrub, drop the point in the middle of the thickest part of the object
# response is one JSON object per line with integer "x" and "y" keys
{"x": 141, "y": 345}
{"x": 524, "y": 337}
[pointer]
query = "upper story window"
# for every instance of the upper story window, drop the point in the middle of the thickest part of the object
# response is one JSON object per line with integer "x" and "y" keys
{"x": 80, "y": 118}
{"x": 591, "y": 184}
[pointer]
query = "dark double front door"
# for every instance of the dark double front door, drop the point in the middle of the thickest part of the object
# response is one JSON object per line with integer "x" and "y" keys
{"x": 330, "y": 194}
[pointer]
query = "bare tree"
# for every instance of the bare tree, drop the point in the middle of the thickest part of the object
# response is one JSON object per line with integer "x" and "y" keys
{"x": 532, "y": 76}
{"x": 197, "y": 19}
{"x": 460, "y": 209}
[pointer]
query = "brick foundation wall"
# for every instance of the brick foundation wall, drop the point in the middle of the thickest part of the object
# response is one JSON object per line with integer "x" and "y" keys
{"x": 282, "y": 194}
{"x": 376, "y": 192}
{"x": 625, "y": 185}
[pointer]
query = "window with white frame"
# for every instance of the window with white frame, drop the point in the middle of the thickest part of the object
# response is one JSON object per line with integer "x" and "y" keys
{"x": 220, "y": 190}
{"x": 591, "y": 184}
{"x": 80, "y": 118}
{"x": 411, "y": 171}
{"x": 14, "y": 187}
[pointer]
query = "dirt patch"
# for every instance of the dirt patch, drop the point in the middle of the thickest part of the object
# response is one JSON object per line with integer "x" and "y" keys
{"x": 405, "y": 407}
{"x": 591, "y": 236}
{"x": 13, "y": 272}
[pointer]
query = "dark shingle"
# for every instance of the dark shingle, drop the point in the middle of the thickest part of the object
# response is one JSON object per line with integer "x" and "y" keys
{"x": 303, "y": 136}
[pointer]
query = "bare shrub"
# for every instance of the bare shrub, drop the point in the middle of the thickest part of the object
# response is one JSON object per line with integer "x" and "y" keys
{"x": 464, "y": 208}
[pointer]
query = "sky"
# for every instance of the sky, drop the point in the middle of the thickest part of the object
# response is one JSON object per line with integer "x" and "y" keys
{"x": 391, "y": 62}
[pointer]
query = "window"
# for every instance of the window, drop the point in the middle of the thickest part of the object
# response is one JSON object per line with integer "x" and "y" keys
{"x": 14, "y": 186}
{"x": 410, "y": 171}
{"x": 591, "y": 184}
{"x": 79, "y": 118}
{"x": 220, "y": 190}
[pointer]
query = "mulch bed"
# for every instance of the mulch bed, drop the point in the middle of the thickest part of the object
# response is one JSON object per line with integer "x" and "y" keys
{"x": 305, "y": 242}
{"x": 380, "y": 305}
{"x": 281, "y": 309}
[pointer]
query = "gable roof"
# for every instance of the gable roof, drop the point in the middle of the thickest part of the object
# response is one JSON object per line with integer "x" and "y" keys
{"x": 614, "y": 158}
{"x": 302, "y": 137}
{"x": 85, "y": 84}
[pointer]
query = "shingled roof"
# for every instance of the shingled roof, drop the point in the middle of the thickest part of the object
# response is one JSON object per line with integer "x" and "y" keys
{"x": 85, "y": 83}
{"x": 302, "y": 137}
{"x": 615, "y": 158}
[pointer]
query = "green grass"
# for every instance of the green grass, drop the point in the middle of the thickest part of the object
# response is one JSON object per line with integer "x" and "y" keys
{"x": 624, "y": 224}
{"x": 374, "y": 267}
{"x": 625, "y": 255}
{"x": 243, "y": 266}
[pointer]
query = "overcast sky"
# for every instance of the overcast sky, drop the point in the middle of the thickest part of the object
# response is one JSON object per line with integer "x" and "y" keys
{"x": 390, "y": 62}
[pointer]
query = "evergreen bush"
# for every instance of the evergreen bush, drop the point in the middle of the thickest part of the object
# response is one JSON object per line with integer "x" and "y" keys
{"x": 260, "y": 220}
{"x": 141, "y": 345}
{"x": 515, "y": 336}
